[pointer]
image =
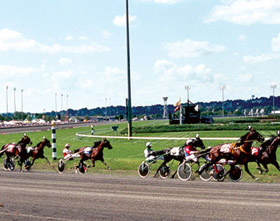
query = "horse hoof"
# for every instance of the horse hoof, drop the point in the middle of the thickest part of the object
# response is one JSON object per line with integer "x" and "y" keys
{"x": 255, "y": 178}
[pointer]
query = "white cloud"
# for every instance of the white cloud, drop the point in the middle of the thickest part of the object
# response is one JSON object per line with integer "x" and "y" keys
{"x": 245, "y": 77}
{"x": 12, "y": 40}
{"x": 69, "y": 38}
{"x": 242, "y": 38}
{"x": 65, "y": 61}
{"x": 260, "y": 58}
{"x": 121, "y": 20}
{"x": 275, "y": 43}
{"x": 189, "y": 48}
{"x": 172, "y": 73}
{"x": 170, "y": 2}
{"x": 247, "y": 12}
{"x": 12, "y": 71}
{"x": 106, "y": 34}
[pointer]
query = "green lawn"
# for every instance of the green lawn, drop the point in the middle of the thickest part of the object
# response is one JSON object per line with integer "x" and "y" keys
{"x": 126, "y": 155}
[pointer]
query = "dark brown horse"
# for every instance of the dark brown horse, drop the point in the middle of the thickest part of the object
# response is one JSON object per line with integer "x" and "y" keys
{"x": 267, "y": 154}
{"x": 16, "y": 149}
{"x": 94, "y": 153}
{"x": 36, "y": 152}
{"x": 237, "y": 153}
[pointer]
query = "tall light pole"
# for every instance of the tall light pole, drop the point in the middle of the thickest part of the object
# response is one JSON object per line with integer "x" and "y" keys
{"x": 188, "y": 93}
{"x": 67, "y": 96}
{"x": 15, "y": 99}
{"x": 61, "y": 102}
{"x": 129, "y": 128}
{"x": 22, "y": 104}
{"x": 55, "y": 104}
{"x": 223, "y": 89}
{"x": 7, "y": 100}
{"x": 273, "y": 86}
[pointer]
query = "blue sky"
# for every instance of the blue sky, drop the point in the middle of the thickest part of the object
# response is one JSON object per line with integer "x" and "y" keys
{"x": 78, "y": 48}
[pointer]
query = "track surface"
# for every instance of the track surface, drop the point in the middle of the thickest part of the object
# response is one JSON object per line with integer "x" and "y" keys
{"x": 50, "y": 196}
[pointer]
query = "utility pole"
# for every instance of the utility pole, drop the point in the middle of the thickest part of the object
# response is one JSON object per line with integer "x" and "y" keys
{"x": 273, "y": 86}
{"x": 22, "y": 104}
{"x": 15, "y": 100}
{"x": 188, "y": 93}
{"x": 129, "y": 128}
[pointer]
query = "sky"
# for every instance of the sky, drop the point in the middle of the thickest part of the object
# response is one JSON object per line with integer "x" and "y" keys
{"x": 72, "y": 54}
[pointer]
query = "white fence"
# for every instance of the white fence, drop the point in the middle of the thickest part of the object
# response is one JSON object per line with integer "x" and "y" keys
{"x": 154, "y": 138}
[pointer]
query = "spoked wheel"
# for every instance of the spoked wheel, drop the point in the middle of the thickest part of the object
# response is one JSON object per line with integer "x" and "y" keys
{"x": 236, "y": 174}
{"x": 164, "y": 172}
{"x": 206, "y": 174}
{"x": 9, "y": 164}
{"x": 143, "y": 170}
{"x": 27, "y": 164}
{"x": 184, "y": 171}
{"x": 219, "y": 174}
{"x": 82, "y": 168}
{"x": 60, "y": 166}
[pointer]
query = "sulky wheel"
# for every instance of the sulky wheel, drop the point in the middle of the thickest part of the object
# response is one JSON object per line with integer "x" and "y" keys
{"x": 184, "y": 171}
{"x": 219, "y": 174}
{"x": 164, "y": 171}
{"x": 60, "y": 166}
{"x": 9, "y": 164}
{"x": 206, "y": 174}
{"x": 235, "y": 174}
{"x": 143, "y": 170}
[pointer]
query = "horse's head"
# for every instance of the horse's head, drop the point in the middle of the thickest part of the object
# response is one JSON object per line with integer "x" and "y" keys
{"x": 197, "y": 142}
{"x": 254, "y": 135}
{"x": 107, "y": 144}
{"x": 25, "y": 140}
{"x": 46, "y": 142}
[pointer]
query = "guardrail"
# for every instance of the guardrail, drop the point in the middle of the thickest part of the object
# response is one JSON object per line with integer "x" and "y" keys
{"x": 153, "y": 138}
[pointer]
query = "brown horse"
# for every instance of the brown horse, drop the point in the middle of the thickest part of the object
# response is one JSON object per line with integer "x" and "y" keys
{"x": 237, "y": 153}
{"x": 266, "y": 154}
{"x": 36, "y": 152}
{"x": 94, "y": 153}
{"x": 16, "y": 149}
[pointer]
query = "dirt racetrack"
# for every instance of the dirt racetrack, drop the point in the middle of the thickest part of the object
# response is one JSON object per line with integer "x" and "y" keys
{"x": 41, "y": 195}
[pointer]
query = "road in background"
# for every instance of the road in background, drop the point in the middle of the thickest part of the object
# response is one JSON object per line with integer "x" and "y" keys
{"x": 50, "y": 196}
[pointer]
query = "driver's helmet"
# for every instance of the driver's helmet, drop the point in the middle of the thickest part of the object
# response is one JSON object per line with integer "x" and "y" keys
{"x": 278, "y": 132}
{"x": 189, "y": 141}
{"x": 67, "y": 145}
{"x": 24, "y": 135}
{"x": 149, "y": 144}
{"x": 250, "y": 127}
{"x": 197, "y": 136}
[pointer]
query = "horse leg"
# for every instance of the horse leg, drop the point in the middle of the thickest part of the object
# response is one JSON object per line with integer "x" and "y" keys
{"x": 275, "y": 163}
{"x": 259, "y": 167}
{"x": 161, "y": 165}
{"x": 33, "y": 160}
{"x": 103, "y": 161}
{"x": 47, "y": 160}
{"x": 247, "y": 170}
{"x": 20, "y": 165}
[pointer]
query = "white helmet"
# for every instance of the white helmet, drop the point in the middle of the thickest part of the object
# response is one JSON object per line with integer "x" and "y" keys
{"x": 189, "y": 141}
{"x": 148, "y": 144}
{"x": 278, "y": 132}
{"x": 67, "y": 145}
{"x": 197, "y": 136}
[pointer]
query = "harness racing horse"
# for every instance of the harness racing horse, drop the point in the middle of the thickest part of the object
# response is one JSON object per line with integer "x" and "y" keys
{"x": 94, "y": 153}
{"x": 237, "y": 153}
{"x": 177, "y": 153}
{"x": 266, "y": 154}
{"x": 36, "y": 152}
{"x": 16, "y": 149}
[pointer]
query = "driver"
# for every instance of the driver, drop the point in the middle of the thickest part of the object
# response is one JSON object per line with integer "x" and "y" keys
{"x": 67, "y": 153}
{"x": 190, "y": 151}
{"x": 148, "y": 152}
